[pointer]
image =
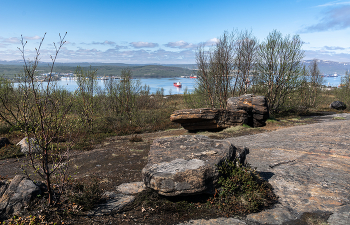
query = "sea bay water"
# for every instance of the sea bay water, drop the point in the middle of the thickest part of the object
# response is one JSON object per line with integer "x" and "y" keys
{"x": 168, "y": 84}
{"x": 154, "y": 83}
{"x": 332, "y": 81}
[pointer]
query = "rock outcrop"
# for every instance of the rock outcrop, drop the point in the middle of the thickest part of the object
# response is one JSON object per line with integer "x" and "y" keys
{"x": 255, "y": 106}
{"x": 338, "y": 105}
{"x": 34, "y": 147}
{"x": 246, "y": 109}
{"x": 187, "y": 164}
{"x": 16, "y": 195}
{"x": 114, "y": 204}
{"x": 208, "y": 119}
{"x": 308, "y": 168}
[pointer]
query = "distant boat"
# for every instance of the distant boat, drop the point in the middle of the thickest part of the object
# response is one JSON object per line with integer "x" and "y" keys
{"x": 193, "y": 76}
{"x": 65, "y": 78}
{"x": 331, "y": 75}
{"x": 178, "y": 84}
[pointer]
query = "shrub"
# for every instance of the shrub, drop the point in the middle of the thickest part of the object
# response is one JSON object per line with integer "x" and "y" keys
{"x": 10, "y": 151}
{"x": 86, "y": 195}
{"x": 343, "y": 92}
{"x": 242, "y": 191}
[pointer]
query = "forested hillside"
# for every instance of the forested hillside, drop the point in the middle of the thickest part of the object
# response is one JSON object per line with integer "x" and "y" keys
{"x": 139, "y": 71}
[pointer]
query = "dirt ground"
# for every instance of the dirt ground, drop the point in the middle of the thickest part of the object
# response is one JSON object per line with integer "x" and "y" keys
{"x": 119, "y": 160}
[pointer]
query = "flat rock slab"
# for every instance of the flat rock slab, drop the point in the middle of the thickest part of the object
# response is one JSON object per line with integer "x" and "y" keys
{"x": 218, "y": 221}
{"x": 187, "y": 164}
{"x": 308, "y": 167}
{"x": 209, "y": 119}
{"x": 114, "y": 204}
{"x": 131, "y": 188}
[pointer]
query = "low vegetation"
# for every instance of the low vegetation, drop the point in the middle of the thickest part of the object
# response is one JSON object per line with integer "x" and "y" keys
{"x": 241, "y": 190}
{"x": 10, "y": 151}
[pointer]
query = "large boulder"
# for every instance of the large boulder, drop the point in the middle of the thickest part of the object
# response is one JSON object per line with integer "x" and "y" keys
{"x": 208, "y": 119}
{"x": 338, "y": 105}
{"x": 16, "y": 195}
{"x": 187, "y": 164}
{"x": 31, "y": 144}
{"x": 255, "y": 106}
{"x": 246, "y": 109}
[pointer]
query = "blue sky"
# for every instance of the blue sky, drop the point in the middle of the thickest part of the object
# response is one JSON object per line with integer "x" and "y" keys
{"x": 166, "y": 32}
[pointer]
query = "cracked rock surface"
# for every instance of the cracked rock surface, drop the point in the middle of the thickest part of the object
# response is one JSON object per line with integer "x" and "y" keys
{"x": 308, "y": 167}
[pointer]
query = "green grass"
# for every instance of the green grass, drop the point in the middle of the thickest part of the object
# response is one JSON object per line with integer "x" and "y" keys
{"x": 338, "y": 118}
{"x": 10, "y": 151}
{"x": 271, "y": 121}
{"x": 295, "y": 119}
{"x": 233, "y": 129}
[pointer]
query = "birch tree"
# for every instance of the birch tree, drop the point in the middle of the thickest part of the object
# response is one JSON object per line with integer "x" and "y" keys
{"x": 279, "y": 67}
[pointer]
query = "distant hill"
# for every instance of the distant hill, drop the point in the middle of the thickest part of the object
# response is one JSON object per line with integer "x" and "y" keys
{"x": 12, "y": 68}
{"x": 103, "y": 69}
{"x": 330, "y": 67}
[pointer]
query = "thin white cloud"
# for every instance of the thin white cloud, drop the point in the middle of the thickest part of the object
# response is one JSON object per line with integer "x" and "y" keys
{"x": 333, "y": 48}
{"x": 32, "y": 38}
{"x": 141, "y": 44}
{"x": 104, "y": 43}
{"x": 123, "y": 55}
{"x": 327, "y": 55}
{"x": 70, "y": 43}
{"x": 95, "y": 53}
{"x": 118, "y": 47}
{"x": 337, "y": 18}
{"x": 12, "y": 40}
{"x": 127, "y": 56}
{"x": 181, "y": 44}
{"x": 99, "y": 43}
{"x": 211, "y": 42}
{"x": 112, "y": 55}
{"x": 335, "y": 3}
